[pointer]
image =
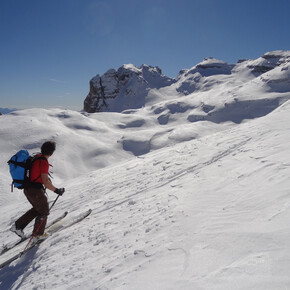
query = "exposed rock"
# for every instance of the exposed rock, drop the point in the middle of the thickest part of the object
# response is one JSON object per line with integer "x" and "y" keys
{"x": 123, "y": 89}
{"x": 210, "y": 66}
{"x": 198, "y": 77}
{"x": 130, "y": 88}
{"x": 269, "y": 61}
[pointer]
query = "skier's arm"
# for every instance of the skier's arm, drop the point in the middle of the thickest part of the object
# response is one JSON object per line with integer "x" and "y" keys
{"x": 46, "y": 182}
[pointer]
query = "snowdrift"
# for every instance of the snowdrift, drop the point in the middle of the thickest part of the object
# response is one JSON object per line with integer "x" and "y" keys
{"x": 189, "y": 192}
{"x": 210, "y": 213}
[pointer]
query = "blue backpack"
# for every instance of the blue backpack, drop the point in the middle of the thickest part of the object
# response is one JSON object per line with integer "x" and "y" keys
{"x": 20, "y": 166}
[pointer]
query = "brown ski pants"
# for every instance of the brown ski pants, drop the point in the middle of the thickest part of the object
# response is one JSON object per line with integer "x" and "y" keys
{"x": 39, "y": 210}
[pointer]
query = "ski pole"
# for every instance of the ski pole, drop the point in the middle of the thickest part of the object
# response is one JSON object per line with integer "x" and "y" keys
{"x": 33, "y": 235}
{"x": 54, "y": 202}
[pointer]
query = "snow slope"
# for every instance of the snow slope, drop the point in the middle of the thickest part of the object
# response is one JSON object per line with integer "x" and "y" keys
{"x": 189, "y": 192}
{"x": 210, "y": 213}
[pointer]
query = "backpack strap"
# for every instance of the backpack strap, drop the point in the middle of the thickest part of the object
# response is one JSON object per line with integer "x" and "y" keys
{"x": 17, "y": 163}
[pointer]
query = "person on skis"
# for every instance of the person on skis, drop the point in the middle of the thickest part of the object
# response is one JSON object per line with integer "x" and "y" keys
{"x": 36, "y": 195}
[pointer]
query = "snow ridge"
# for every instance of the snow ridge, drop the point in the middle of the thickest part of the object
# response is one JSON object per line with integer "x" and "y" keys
{"x": 190, "y": 191}
{"x": 131, "y": 87}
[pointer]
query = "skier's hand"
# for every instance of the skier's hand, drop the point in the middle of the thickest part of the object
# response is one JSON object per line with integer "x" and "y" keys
{"x": 59, "y": 191}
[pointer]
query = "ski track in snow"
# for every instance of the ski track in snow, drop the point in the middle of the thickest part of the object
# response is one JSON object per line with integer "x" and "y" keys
{"x": 207, "y": 206}
{"x": 166, "y": 217}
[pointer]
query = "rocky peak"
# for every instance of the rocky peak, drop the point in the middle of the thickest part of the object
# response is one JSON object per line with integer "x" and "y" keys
{"x": 198, "y": 77}
{"x": 132, "y": 87}
{"x": 268, "y": 61}
{"x": 125, "y": 88}
{"x": 209, "y": 66}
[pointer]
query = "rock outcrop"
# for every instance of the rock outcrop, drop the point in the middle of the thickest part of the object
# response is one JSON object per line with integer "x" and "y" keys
{"x": 123, "y": 89}
{"x": 131, "y": 87}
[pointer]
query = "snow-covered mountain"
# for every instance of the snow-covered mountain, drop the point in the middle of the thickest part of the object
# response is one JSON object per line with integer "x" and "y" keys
{"x": 6, "y": 110}
{"x": 190, "y": 191}
{"x": 123, "y": 89}
{"x": 214, "y": 87}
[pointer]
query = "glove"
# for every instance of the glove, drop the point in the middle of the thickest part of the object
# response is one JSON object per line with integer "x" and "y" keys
{"x": 59, "y": 191}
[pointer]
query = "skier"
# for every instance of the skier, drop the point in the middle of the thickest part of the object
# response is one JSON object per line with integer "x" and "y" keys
{"x": 36, "y": 195}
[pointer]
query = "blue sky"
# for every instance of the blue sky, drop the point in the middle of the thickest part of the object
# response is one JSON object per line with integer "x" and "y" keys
{"x": 51, "y": 49}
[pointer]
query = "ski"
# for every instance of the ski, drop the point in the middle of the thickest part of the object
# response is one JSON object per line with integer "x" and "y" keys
{"x": 70, "y": 222}
{"x": 10, "y": 246}
{"x": 57, "y": 219}
{"x": 51, "y": 230}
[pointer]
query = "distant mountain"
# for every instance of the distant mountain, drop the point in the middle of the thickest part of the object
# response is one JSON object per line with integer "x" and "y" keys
{"x": 123, "y": 89}
{"x": 176, "y": 203}
{"x": 185, "y": 192}
{"x": 212, "y": 86}
{"x": 6, "y": 110}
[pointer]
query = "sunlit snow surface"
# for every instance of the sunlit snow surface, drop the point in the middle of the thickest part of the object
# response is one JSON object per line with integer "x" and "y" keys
{"x": 176, "y": 203}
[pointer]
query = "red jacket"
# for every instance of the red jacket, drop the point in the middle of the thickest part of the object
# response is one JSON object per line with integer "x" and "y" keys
{"x": 39, "y": 166}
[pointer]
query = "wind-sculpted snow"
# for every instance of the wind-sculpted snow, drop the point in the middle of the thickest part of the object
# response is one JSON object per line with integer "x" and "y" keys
{"x": 190, "y": 191}
{"x": 131, "y": 87}
{"x": 209, "y": 213}
{"x": 94, "y": 141}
